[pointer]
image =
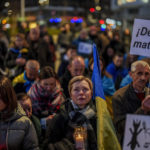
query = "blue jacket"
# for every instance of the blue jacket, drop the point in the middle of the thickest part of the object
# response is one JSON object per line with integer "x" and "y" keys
{"x": 111, "y": 68}
{"x": 108, "y": 86}
{"x": 125, "y": 81}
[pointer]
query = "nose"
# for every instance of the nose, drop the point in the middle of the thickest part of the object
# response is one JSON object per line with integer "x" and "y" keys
{"x": 48, "y": 87}
{"x": 143, "y": 77}
{"x": 81, "y": 92}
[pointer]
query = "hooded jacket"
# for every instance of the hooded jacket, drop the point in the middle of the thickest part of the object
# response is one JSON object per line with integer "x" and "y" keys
{"x": 18, "y": 130}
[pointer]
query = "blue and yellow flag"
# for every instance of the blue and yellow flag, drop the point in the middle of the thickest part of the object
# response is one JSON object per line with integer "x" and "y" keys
{"x": 106, "y": 135}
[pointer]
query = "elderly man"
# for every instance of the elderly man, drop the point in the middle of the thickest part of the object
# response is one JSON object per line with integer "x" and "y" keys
{"x": 76, "y": 67}
{"x": 24, "y": 81}
{"x": 131, "y": 98}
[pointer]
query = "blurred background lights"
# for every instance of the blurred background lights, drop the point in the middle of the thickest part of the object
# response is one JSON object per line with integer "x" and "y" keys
{"x": 10, "y": 12}
{"x": 76, "y": 20}
{"x": 101, "y": 21}
{"x": 55, "y": 20}
{"x": 4, "y": 21}
{"x": 113, "y": 27}
{"x": 145, "y": 1}
{"x": 119, "y": 23}
{"x": 7, "y": 26}
{"x": 6, "y": 4}
{"x": 51, "y": 20}
{"x": 103, "y": 27}
{"x": 110, "y": 21}
{"x": 32, "y": 25}
{"x": 98, "y": 8}
{"x": 92, "y": 10}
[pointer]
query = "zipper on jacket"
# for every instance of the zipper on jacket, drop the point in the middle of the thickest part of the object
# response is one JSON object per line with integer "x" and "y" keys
{"x": 7, "y": 136}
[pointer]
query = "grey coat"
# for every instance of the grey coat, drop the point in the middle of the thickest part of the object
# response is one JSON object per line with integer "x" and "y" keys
{"x": 20, "y": 133}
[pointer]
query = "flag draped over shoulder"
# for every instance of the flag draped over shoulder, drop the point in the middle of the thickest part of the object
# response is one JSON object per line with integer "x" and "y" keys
{"x": 106, "y": 136}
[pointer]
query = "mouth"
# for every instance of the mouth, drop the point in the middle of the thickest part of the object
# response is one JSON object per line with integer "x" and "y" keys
{"x": 142, "y": 82}
{"x": 81, "y": 99}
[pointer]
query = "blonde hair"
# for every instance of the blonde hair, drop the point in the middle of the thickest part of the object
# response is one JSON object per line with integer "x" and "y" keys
{"x": 79, "y": 78}
{"x": 139, "y": 62}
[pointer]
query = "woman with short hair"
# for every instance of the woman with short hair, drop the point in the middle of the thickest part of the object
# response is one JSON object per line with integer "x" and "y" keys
{"x": 74, "y": 128}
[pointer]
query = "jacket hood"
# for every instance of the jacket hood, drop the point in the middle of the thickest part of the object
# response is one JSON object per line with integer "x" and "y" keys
{"x": 16, "y": 114}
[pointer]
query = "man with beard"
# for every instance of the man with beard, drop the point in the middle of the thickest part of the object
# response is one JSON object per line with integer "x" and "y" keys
{"x": 132, "y": 99}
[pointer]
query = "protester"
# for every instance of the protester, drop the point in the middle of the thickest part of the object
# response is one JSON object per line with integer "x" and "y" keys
{"x": 75, "y": 126}
{"x": 70, "y": 54}
{"x": 17, "y": 56}
{"x": 38, "y": 48}
{"x": 117, "y": 70}
{"x": 83, "y": 44}
{"x": 76, "y": 67}
{"x": 131, "y": 99}
{"x": 93, "y": 34}
{"x": 46, "y": 94}
{"x": 64, "y": 39}
{"x": 24, "y": 81}
{"x": 26, "y": 104}
{"x": 108, "y": 54}
{"x": 52, "y": 56}
{"x": 16, "y": 130}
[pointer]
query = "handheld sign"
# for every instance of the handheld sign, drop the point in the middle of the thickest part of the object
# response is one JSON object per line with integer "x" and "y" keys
{"x": 85, "y": 48}
{"x": 140, "y": 44}
{"x": 137, "y": 133}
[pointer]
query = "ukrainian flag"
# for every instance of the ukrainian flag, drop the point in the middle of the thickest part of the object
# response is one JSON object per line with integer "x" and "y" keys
{"x": 106, "y": 135}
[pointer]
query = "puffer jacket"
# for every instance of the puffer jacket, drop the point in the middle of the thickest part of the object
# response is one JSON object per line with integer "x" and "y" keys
{"x": 20, "y": 132}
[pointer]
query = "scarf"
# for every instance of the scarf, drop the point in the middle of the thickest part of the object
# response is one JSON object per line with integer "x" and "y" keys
{"x": 28, "y": 83}
{"x": 17, "y": 51}
{"x": 81, "y": 118}
{"x": 42, "y": 100}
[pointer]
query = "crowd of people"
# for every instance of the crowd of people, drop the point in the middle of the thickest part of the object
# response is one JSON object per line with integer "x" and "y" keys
{"x": 41, "y": 108}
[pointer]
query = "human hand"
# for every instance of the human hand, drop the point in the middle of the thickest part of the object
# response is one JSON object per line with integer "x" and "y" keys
{"x": 50, "y": 117}
{"x": 146, "y": 104}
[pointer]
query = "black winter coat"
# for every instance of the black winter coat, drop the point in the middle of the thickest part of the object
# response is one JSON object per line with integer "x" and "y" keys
{"x": 60, "y": 131}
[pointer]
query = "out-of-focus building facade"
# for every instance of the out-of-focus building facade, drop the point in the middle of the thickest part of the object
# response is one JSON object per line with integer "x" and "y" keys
{"x": 127, "y": 10}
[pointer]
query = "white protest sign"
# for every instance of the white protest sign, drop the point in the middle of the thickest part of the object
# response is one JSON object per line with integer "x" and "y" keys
{"x": 137, "y": 133}
{"x": 85, "y": 48}
{"x": 140, "y": 44}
